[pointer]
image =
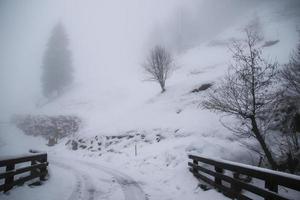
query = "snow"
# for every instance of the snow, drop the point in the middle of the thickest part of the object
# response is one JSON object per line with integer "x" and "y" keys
{"x": 49, "y": 187}
{"x": 160, "y": 169}
{"x": 14, "y": 157}
{"x": 131, "y": 106}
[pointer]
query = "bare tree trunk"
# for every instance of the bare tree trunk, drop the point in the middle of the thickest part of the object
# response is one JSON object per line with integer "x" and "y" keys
{"x": 262, "y": 143}
{"x": 163, "y": 89}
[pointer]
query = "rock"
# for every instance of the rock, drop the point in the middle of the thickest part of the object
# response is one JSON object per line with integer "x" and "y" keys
{"x": 74, "y": 145}
{"x": 202, "y": 87}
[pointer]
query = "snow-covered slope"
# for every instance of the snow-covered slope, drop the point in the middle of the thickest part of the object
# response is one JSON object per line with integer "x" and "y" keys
{"x": 127, "y": 104}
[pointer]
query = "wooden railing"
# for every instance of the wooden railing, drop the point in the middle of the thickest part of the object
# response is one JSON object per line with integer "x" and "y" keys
{"x": 236, "y": 185}
{"x": 36, "y": 168}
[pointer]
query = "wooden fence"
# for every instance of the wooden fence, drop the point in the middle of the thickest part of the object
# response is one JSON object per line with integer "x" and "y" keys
{"x": 36, "y": 167}
{"x": 235, "y": 184}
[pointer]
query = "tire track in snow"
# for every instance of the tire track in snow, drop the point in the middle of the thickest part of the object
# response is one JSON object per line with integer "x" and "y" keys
{"x": 84, "y": 189}
{"x": 131, "y": 189}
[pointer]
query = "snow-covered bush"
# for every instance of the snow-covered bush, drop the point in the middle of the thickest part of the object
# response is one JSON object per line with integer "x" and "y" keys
{"x": 50, "y": 127}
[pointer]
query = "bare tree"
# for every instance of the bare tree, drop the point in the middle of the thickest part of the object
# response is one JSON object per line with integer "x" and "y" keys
{"x": 288, "y": 116}
{"x": 246, "y": 92}
{"x": 256, "y": 28}
{"x": 158, "y": 66}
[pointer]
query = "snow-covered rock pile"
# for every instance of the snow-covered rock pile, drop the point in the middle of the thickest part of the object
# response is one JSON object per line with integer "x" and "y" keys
{"x": 115, "y": 143}
{"x": 47, "y": 126}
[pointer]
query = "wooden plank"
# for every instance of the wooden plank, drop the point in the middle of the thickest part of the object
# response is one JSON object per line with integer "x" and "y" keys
{"x": 264, "y": 175}
{"x": 225, "y": 190}
{"x": 6, "y": 174}
{"x": 242, "y": 185}
{"x": 26, "y": 158}
{"x": 23, "y": 169}
{"x": 22, "y": 180}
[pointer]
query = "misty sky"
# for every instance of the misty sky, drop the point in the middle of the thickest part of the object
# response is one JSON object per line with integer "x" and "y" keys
{"x": 108, "y": 38}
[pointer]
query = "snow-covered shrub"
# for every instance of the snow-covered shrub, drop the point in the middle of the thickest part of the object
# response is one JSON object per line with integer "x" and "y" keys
{"x": 50, "y": 127}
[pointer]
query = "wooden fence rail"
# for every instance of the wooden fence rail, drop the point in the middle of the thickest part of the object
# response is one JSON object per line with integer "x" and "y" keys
{"x": 37, "y": 167}
{"x": 272, "y": 179}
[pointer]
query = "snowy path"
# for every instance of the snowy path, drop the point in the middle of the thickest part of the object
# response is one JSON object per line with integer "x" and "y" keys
{"x": 83, "y": 188}
{"x": 94, "y": 181}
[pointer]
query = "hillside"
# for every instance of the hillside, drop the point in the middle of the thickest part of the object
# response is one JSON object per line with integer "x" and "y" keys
{"x": 128, "y": 103}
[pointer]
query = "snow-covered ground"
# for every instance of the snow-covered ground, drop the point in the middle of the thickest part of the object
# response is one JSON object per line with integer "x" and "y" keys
{"x": 159, "y": 170}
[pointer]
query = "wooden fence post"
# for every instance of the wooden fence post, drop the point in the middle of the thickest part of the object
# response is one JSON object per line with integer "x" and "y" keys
{"x": 218, "y": 180}
{"x": 271, "y": 185}
{"x": 33, "y": 162}
{"x": 9, "y": 180}
{"x": 235, "y": 189}
{"x": 195, "y": 163}
{"x": 43, "y": 170}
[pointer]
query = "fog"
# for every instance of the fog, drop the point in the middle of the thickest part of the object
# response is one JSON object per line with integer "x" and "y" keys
{"x": 108, "y": 39}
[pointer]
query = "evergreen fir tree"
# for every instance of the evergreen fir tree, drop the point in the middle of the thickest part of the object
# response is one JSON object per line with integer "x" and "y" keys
{"x": 57, "y": 64}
